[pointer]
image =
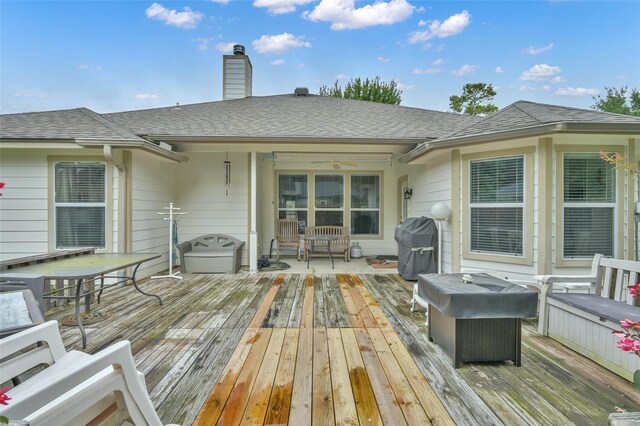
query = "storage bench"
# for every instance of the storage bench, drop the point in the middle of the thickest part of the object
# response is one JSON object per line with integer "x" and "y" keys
{"x": 585, "y": 322}
{"x": 211, "y": 253}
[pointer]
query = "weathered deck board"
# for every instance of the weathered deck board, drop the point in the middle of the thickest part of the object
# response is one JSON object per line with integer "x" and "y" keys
{"x": 195, "y": 353}
{"x": 280, "y": 400}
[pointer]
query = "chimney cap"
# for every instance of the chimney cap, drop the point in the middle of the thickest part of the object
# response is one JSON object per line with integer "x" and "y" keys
{"x": 238, "y": 49}
{"x": 301, "y": 91}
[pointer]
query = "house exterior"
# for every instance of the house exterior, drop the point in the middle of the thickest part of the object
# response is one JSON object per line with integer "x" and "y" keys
{"x": 527, "y": 191}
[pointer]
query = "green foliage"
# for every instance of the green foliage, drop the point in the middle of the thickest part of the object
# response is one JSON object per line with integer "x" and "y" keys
{"x": 368, "y": 90}
{"x": 472, "y": 99}
{"x": 617, "y": 101}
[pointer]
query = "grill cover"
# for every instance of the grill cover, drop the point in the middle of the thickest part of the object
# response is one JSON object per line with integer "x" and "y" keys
{"x": 417, "y": 239}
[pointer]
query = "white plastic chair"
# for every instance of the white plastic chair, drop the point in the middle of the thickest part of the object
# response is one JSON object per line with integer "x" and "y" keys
{"x": 76, "y": 387}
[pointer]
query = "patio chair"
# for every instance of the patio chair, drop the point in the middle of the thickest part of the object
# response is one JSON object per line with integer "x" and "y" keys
{"x": 288, "y": 236}
{"x": 75, "y": 388}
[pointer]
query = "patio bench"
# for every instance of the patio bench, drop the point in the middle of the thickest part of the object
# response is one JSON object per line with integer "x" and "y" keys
{"x": 211, "y": 253}
{"x": 584, "y": 322}
{"x": 341, "y": 245}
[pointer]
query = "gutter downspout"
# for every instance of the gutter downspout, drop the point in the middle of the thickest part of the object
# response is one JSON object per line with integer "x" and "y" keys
{"x": 122, "y": 197}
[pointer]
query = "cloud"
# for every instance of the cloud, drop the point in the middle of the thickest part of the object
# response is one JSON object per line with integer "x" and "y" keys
{"x": 146, "y": 97}
{"x": 499, "y": 70}
{"x": 439, "y": 61}
{"x": 465, "y": 70}
{"x": 427, "y": 70}
{"x": 203, "y": 43}
{"x": 383, "y": 59}
{"x": 225, "y": 47}
{"x": 526, "y": 88}
{"x": 280, "y": 7}
{"x": 220, "y": 1}
{"x": 89, "y": 68}
{"x": 453, "y": 25}
{"x": 343, "y": 14}
{"x": 558, "y": 79}
{"x": 186, "y": 19}
{"x": 538, "y": 50}
{"x": 404, "y": 87}
{"x": 576, "y": 91}
{"x": 422, "y": 23}
{"x": 540, "y": 72}
{"x": 342, "y": 77}
{"x": 278, "y": 43}
{"x": 277, "y": 62}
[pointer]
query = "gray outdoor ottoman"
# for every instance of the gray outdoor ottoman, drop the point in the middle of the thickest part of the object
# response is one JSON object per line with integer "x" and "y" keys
{"x": 476, "y": 322}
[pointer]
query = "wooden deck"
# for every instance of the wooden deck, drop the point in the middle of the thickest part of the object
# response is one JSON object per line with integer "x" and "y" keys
{"x": 333, "y": 349}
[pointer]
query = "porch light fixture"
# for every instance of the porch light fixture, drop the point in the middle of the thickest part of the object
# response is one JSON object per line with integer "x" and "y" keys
{"x": 440, "y": 212}
{"x": 408, "y": 193}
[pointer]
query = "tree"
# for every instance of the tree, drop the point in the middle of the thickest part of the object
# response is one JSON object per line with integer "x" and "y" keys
{"x": 617, "y": 101}
{"x": 368, "y": 90}
{"x": 472, "y": 99}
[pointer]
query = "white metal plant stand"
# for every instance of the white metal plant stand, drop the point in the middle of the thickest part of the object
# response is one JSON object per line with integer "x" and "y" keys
{"x": 172, "y": 213}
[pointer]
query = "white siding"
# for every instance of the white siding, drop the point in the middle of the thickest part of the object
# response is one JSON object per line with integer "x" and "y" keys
{"x": 200, "y": 192}
{"x": 237, "y": 77}
{"x": 431, "y": 184}
{"x": 152, "y": 189}
{"x": 23, "y": 204}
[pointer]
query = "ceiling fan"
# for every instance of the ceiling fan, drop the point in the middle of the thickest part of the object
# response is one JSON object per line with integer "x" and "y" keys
{"x": 336, "y": 164}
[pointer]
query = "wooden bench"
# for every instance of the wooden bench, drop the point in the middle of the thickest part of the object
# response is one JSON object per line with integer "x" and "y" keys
{"x": 584, "y": 322}
{"x": 341, "y": 245}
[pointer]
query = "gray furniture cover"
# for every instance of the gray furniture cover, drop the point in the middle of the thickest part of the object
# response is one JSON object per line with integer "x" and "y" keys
{"x": 417, "y": 239}
{"x": 487, "y": 297}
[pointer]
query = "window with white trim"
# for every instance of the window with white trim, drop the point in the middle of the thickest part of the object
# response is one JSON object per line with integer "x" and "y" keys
{"x": 496, "y": 206}
{"x": 589, "y": 204}
{"x": 365, "y": 204}
{"x": 338, "y": 199}
{"x": 293, "y": 196}
{"x": 80, "y": 204}
{"x": 329, "y": 200}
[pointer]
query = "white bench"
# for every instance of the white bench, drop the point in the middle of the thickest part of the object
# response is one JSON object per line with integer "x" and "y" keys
{"x": 585, "y": 322}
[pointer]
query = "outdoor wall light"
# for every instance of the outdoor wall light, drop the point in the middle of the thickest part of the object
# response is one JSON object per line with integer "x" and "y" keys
{"x": 408, "y": 193}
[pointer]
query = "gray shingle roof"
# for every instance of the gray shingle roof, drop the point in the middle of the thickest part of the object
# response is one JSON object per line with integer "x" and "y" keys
{"x": 290, "y": 116}
{"x": 523, "y": 114}
{"x": 79, "y": 123}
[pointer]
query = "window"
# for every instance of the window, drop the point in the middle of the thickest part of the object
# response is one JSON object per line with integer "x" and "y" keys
{"x": 293, "y": 198}
{"x": 589, "y": 206}
{"x": 338, "y": 199}
{"x": 80, "y": 204}
{"x": 365, "y": 204}
{"x": 329, "y": 200}
{"x": 496, "y": 206}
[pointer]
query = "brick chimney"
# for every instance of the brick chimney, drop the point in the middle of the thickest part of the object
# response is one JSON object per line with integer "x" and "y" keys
{"x": 237, "y": 74}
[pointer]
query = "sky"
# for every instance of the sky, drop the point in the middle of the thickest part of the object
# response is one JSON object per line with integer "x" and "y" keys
{"x": 127, "y": 55}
